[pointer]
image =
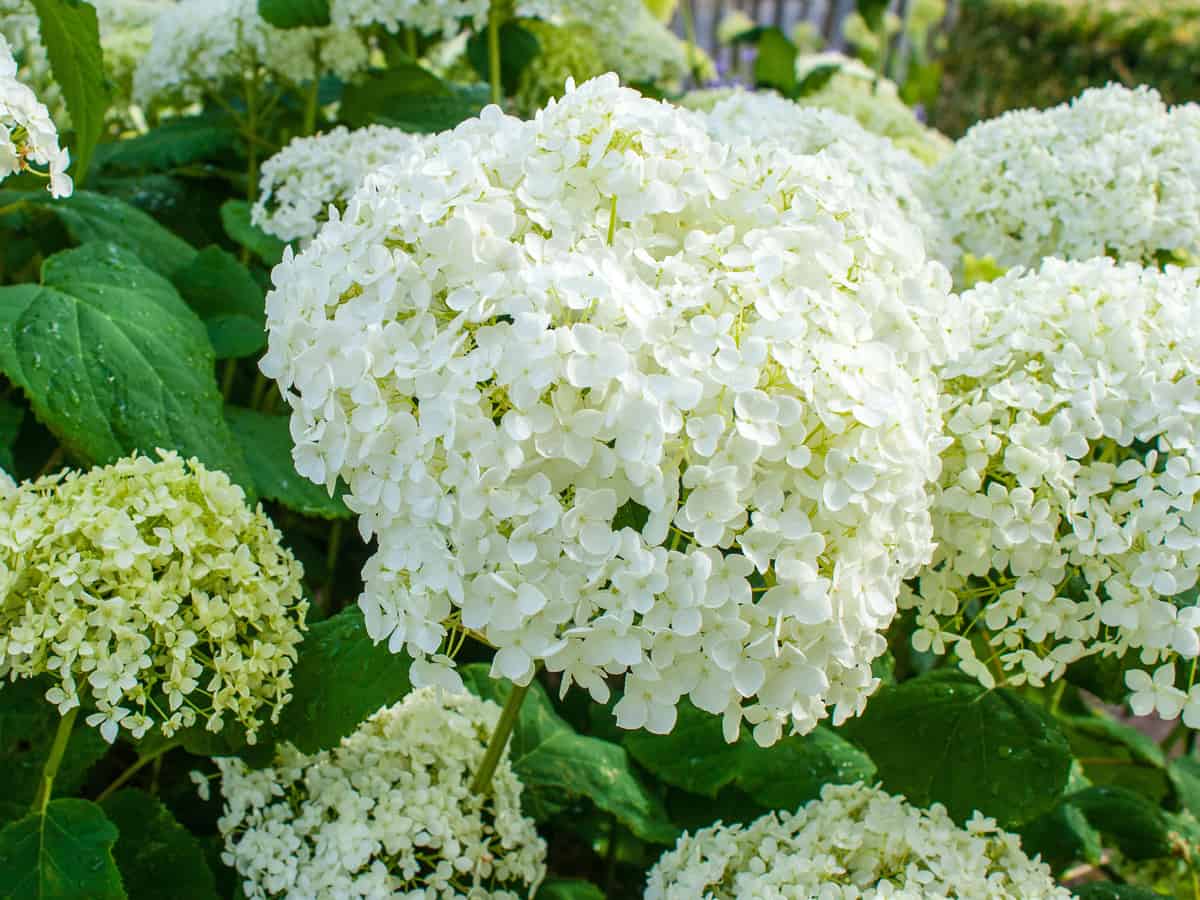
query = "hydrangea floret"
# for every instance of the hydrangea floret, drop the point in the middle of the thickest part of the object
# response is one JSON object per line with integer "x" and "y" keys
{"x": 19, "y": 25}
{"x": 387, "y": 813}
{"x": 432, "y": 17}
{"x": 1067, "y": 520}
{"x": 1112, "y": 173}
{"x": 620, "y": 398}
{"x": 27, "y": 133}
{"x": 855, "y": 842}
{"x": 151, "y": 590}
{"x": 301, "y": 181}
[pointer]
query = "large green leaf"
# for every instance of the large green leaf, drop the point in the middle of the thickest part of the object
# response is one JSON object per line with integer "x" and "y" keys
{"x": 569, "y": 889}
{"x": 176, "y": 142}
{"x": 942, "y": 737}
{"x": 64, "y": 855}
{"x": 695, "y": 757}
{"x": 1184, "y": 773}
{"x": 410, "y": 97}
{"x": 235, "y": 216}
{"x": 71, "y": 36}
{"x": 1113, "y": 753}
{"x": 518, "y": 48}
{"x": 1138, "y": 827}
{"x": 557, "y": 765}
{"x": 295, "y": 13}
{"x": 225, "y": 295}
{"x": 11, "y": 417}
{"x": 113, "y": 361}
{"x": 28, "y": 723}
{"x": 154, "y": 850}
{"x": 267, "y": 445}
{"x": 775, "y": 65}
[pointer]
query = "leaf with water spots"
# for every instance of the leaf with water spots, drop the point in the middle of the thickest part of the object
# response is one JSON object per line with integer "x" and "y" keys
{"x": 65, "y": 854}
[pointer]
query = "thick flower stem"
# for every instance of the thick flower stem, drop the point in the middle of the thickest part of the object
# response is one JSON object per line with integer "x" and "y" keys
{"x": 493, "y": 40}
{"x": 499, "y": 740}
{"x": 50, "y": 769}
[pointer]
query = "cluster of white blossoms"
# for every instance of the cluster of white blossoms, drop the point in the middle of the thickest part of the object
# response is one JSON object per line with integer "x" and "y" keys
{"x": 620, "y": 398}
{"x": 1068, "y": 521}
{"x": 885, "y": 172}
{"x": 1112, "y": 173}
{"x": 301, "y": 181}
{"x": 126, "y": 34}
{"x": 854, "y": 843}
{"x": 151, "y": 587}
{"x": 387, "y": 813}
{"x": 27, "y": 133}
{"x": 434, "y": 17}
{"x": 202, "y": 47}
{"x": 20, "y": 26}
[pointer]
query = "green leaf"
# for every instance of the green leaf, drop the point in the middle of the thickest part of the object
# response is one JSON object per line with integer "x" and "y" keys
{"x": 942, "y": 737}
{"x": 1108, "y": 890}
{"x": 154, "y": 850}
{"x": 518, "y": 48}
{"x": 1184, "y": 773}
{"x": 775, "y": 65}
{"x": 695, "y": 757}
{"x": 409, "y": 97}
{"x": 555, "y": 764}
{"x": 235, "y": 216}
{"x": 11, "y": 417}
{"x": 569, "y": 889}
{"x": 28, "y": 724}
{"x": 176, "y": 142}
{"x": 267, "y": 444}
{"x": 71, "y": 36}
{"x": 113, "y": 361}
{"x": 1116, "y": 754}
{"x": 65, "y": 855}
{"x": 295, "y": 13}
{"x": 340, "y": 678}
{"x": 225, "y": 295}
{"x": 1061, "y": 837}
{"x": 1138, "y": 827}
{"x": 815, "y": 79}
{"x": 872, "y": 12}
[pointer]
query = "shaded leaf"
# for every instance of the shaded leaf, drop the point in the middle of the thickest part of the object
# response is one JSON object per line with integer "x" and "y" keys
{"x": 1184, "y": 773}
{"x": 1113, "y": 753}
{"x": 569, "y": 889}
{"x": 518, "y": 48}
{"x": 942, "y": 737}
{"x": 556, "y": 764}
{"x": 410, "y": 97}
{"x": 267, "y": 445}
{"x": 1108, "y": 890}
{"x": 1138, "y": 827}
{"x": 695, "y": 757}
{"x": 65, "y": 855}
{"x": 295, "y": 13}
{"x": 176, "y": 142}
{"x": 225, "y": 295}
{"x": 235, "y": 216}
{"x": 872, "y": 12}
{"x": 113, "y": 361}
{"x": 1062, "y": 836}
{"x": 155, "y": 850}
{"x": 11, "y": 417}
{"x": 775, "y": 65}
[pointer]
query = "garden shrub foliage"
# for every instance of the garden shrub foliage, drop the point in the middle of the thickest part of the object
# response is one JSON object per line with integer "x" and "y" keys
{"x": 587, "y": 494}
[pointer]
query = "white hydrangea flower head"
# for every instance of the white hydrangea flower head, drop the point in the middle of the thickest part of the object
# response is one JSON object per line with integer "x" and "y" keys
{"x": 201, "y": 47}
{"x": 885, "y": 172}
{"x": 27, "y": 133}
{"x": 1067, "y": 521}
{"x": 434, "y": 17}
{"x": 623, "y": 399}
{"x": 301, "y": 181}
{"x": 19, "y": 25}
{"x": 152, "y": 588}
{"x": 874, "y": 102}
{"x": 1111, "y": 173}
{"x": 387, "y": 813}
{"x": 126, "y": 33}
{"x": 854, "y": 842}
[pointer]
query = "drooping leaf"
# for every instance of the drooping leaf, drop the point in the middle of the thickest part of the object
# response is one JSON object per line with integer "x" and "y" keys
{"x": 176, "y": 142}
{"x": 154, "y": 850}
{"x": 1117, "y": 754}
{"x": 28, "y": 723}
{"x": 518, "y": 48}
{"x": 775, "y": 65}
{"x": 225, "y": 295}
{"x": 695, "y": 757}
{"x": 267, "y": 445}
{"x": 64, "y": 855}
{"x": 71, "y": 36}
{"x": 11, "y": 417}
{"x": 113, "y": 361}
{"x": 295, "y": 13}
{"x": 556, "y": 764}
{"x": 569, "y": 889}
{"x": 235, "y": 216}
{"x": 1062, "y": 836}
{"x": 1138, "y": 827}
{"x": 942, "y": 737}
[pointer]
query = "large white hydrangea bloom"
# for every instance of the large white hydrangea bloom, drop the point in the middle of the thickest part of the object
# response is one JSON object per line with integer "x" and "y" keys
{"x": 387, "y": 813}
{"x": 202, "y": 46}
{"x": 27, "y": 133}
{"x": 1113, "y": 173}
{"x": 885, "y": 172}
{"x": 854, "y": 843}
{"x": 1068, "y": 517}
{"x": 623, "y": 399}
{"x": 301, "y": 181}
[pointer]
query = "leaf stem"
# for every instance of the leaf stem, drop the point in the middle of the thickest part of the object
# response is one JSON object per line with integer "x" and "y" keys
{"x": 499, "y": 740}
{"x": 141, "y": 762}
{"x": 493, "y": 40}
{"x": 42, "y": 799}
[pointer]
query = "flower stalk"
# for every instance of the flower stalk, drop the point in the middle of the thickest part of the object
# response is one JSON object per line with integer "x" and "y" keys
{"x": 499, "y": 740}
{"x": 50, "y": 770}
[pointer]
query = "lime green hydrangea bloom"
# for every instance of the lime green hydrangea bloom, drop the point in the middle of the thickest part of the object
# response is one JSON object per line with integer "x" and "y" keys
{"x": 153, "y": 589}
{"x": 567, "y": 51}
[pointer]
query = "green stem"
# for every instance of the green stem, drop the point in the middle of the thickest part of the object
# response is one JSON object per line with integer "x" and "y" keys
{"x": 689, "y": 33}
{"x": 499, "y": 740}
{"x": 251, "y": 130}
{"x": 227, "y": 377}
{"x": 50, "y": 769}
{"x": 331, "y": 554}
{"x": 410, "y": 42}
{"x": 1056, "y": 697}
{"x": 493, "y": 39}
{"x": 311, "y": 103}
{"x": 141, "y": 762}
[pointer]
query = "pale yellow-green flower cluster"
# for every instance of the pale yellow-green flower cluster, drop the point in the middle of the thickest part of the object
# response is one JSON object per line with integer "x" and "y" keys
{"x": 152, "y": 591}
{"x": 566, "y": 51}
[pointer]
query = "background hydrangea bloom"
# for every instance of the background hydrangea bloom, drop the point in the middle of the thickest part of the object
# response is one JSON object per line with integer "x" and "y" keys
{"x": 151, "y": 588}
{"x": 27, "y": 133}
{"x": 387, "y": 813}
